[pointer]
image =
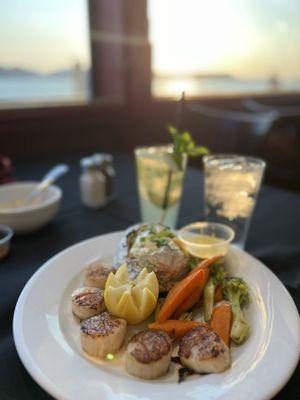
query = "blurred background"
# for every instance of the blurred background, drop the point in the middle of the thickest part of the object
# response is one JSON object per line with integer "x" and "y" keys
{"x": 106, "y": 75}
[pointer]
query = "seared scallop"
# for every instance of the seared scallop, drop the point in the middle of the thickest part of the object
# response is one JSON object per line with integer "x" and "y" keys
{"x": 149, "y": 354}
{"x": 96, "y": 274}
{"x": 87, "y": 302}
{"x": 203, "y": 351}
{"x": 102, "y": 334}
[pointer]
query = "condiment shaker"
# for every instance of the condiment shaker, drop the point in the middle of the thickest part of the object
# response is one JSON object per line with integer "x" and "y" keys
{"x": 92, "y": 183}
{"x": 105, "y": 163}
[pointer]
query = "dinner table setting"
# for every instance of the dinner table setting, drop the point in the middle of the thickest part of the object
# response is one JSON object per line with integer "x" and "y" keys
{"x": 86, "y": 196}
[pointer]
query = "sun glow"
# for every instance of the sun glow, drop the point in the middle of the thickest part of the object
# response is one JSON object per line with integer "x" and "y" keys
{"x": 195, "y": 36}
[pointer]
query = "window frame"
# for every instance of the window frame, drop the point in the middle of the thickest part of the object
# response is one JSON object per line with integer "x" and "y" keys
{"x": 115, "y": 23}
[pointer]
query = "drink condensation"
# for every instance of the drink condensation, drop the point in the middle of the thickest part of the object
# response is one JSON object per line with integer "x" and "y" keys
{"x": 231, "y": 186}
{"x": 158, "y": 175}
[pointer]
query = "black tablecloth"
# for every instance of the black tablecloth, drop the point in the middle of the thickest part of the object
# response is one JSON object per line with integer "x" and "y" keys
{"x": 274, "y": 238}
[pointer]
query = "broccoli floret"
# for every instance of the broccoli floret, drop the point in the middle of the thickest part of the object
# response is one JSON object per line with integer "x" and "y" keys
{"x": 193, "y": 261}
{"x": 217, "y": 276}
{"x": 236, "y": 291}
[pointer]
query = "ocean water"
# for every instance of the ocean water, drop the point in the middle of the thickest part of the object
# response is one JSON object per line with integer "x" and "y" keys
{"x": 20, "y": 89}
{"x": 162, "y": 87}
{"x": 15, "y": 89}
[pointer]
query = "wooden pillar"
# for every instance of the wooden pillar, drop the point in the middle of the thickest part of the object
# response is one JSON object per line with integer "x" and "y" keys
{"x": 120, "y": 50}
{"x": 106, "y": 27}
{"x": 137, "y": 51}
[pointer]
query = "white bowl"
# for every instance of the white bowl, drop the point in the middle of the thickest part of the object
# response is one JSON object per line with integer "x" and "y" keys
{"x": 34, "y": 216}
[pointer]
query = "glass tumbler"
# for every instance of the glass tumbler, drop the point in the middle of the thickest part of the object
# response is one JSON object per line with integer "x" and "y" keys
{"x": 231, "y": 186}
{"x": 160, "y": 183}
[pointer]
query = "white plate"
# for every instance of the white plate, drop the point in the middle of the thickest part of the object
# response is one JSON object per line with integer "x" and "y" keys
{"x": 47, "y": 337}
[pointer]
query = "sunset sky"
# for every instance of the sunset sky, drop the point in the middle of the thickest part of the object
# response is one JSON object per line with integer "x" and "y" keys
{"x": 245, "y": 38}
{"x": 43, "y": 35}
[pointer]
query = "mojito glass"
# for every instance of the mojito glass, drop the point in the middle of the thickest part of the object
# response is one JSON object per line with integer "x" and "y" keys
{"x": 231, "y": 186}
{"x": 160, "y": 183}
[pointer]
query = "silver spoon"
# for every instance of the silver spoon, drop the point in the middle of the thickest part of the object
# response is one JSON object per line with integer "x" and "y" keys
{"x": 48, "y": 179}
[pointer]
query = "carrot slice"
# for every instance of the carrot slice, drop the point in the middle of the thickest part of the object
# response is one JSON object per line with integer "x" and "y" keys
{"x": 187, "y": 303}
{"x": 175, "y": 327}
{"x": 194, "y": 296}
{"x": 218, "y": 294}
{"x": 182, "y": 290}
{"x": 221, "y": 321}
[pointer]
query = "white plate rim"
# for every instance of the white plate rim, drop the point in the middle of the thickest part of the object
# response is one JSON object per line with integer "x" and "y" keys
{"x": 47, "y": 385}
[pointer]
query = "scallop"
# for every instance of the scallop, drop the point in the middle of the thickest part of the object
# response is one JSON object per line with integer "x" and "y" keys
{"x": 148, "y": 354}
{"x": 203, "y": 351}
{"x": 87, "y": 302}
{"x": 96, "y": 274}
{"x": 102, "y": 334}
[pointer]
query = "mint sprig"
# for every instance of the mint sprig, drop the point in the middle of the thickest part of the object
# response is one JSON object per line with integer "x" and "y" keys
{"x": 184, "y": 144}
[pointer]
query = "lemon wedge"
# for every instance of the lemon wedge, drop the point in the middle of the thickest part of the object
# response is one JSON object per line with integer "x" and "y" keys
{"x": 133, "y": 300}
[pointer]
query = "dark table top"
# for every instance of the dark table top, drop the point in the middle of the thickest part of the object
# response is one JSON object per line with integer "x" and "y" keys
{"x": 274, "y": 238}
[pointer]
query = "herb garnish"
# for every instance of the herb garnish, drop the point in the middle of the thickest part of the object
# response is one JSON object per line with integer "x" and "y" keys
{"x": 162, "y": 238}
{"x": 183, "y": 146}
{"x": 176, "y": 360}
{"x": 183, "y": 373}
{"x": 159, "y": 237}
{"x": 160, "y": 242}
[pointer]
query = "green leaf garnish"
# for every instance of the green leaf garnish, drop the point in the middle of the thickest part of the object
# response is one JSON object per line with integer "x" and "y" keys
{"x": 184, "y": 144}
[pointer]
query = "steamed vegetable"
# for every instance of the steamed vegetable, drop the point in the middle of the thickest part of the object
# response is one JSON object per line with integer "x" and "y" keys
{"x": 218, "y": 294}
{"x": 189, "y": 302}
{"x": 158, "y": 307}
{"x": 182, "y": 290}
{"x": 216, "y": 278}
{"x": 193, "y": 261}
{"x": 194, "y": 297}
{"x": 187, "y": 316}
{"x": 236, "y": 291}
{"x": 221, "y": 321}
{"x": 176, "y": 328}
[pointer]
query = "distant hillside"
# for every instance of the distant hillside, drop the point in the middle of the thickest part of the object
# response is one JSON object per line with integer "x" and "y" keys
{"x": 195, "y": 76}
{"x": 61, "y": 72}
{"x": 6, "y": 72}
{"x": 20, "y": 72}
{"x": 213, "y": 76}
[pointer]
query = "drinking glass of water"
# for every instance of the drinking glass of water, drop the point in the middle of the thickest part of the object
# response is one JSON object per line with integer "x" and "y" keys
{"x": 231, "y": 186}
{"x": 160, "y": 183}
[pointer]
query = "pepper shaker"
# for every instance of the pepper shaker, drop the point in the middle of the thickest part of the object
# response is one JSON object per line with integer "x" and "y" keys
{"x": 105, "y": 163}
